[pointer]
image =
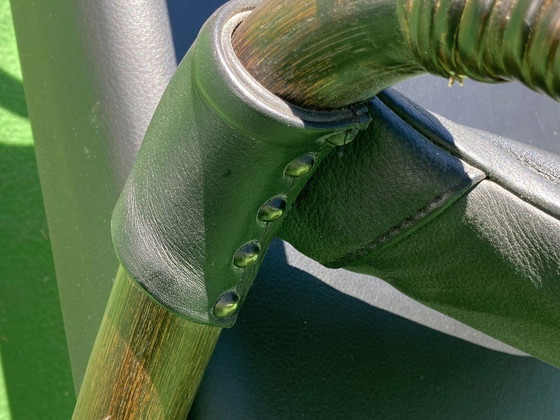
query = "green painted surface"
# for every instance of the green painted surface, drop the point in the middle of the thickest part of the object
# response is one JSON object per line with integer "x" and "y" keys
{"x": 35, "y": 377}
{"x": 4, "y": 407}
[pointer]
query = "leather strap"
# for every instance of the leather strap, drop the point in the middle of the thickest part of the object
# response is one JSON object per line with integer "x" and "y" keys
{"x": 461, "y": 220}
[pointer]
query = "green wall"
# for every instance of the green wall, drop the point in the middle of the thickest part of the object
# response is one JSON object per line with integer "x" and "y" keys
{"x": 35, "y": 377}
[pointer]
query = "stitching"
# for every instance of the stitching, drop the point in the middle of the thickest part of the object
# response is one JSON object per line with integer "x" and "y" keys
{"x": 413, "y": 222}
{"x": 528, "y": 162}
{"x": 430, "y": 130}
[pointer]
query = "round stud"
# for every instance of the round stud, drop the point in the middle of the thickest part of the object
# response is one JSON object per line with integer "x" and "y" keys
{"x": 300, "y": 166}
{"x": 272, "y": 210}
{"x": 342, "y": 138}
{"x": 226, "y": 305}
{"x": 247, "y": 255}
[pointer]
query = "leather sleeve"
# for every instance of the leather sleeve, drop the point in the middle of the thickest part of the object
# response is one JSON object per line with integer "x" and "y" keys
{"x": 461, "y": 220}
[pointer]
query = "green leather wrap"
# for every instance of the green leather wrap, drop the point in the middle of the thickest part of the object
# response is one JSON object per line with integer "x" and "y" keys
{"x": 461, "y": 220}
{"x": 214, "y": 174}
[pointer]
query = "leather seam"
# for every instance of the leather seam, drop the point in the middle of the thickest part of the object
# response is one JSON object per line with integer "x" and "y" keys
{"x": 528, "y": 163}
{"x": 433, "y": 137}
{"x": 415, "y": 221}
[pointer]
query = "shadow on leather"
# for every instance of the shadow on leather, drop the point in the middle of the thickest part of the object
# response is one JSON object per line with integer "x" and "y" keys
{"x": 302, "y": 349}
{"x": 461, "y": 220}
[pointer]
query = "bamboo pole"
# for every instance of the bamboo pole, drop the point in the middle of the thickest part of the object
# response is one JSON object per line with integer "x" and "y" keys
{"x": 146, "y": 362}
{"x": 326, "y": 54}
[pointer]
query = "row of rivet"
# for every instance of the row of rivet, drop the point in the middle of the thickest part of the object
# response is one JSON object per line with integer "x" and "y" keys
{"x": 270, "y": 211}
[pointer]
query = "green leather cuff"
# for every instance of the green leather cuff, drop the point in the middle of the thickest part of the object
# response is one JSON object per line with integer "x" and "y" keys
{"x": 222, "y": 161}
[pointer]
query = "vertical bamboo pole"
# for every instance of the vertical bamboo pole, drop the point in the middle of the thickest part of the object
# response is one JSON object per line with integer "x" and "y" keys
{"x": 146, "y": 362}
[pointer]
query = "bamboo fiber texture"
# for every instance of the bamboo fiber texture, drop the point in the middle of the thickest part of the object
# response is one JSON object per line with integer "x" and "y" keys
{"x": 333, "y": 53}
{"x": 146, "y": 362}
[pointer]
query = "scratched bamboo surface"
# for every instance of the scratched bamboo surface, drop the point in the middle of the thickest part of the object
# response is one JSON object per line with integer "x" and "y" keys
{"x": 324, "y": 53}
{"x": 333, "y": 53}
{"x": 146, "y": 362}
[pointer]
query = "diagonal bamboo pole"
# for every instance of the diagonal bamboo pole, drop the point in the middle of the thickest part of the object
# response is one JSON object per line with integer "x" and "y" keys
{"x": 146, "y": 362}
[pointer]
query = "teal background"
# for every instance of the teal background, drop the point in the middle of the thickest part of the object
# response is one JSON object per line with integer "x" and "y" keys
{"x": 35, "y": 376}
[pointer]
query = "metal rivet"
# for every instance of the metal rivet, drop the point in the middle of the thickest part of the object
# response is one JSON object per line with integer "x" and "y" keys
{"x": 300, "y": 166}
{"x": 272, "y": 210}
{"x": 342, "y": 138}
{"x": 246, "y": 255}
{"x": 226, "y": 305}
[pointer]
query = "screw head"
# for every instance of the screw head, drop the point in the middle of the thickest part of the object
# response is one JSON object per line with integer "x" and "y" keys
{"x": 300, "y": 166}
{"x": 247, "y": 255}
{"x": 342, "y": 138}
{"x": 226, "y": 305}
{"x": 272, "y": 210}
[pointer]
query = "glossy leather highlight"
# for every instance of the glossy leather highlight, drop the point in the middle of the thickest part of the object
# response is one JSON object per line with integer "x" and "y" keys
{"x": 186, "y": 226}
